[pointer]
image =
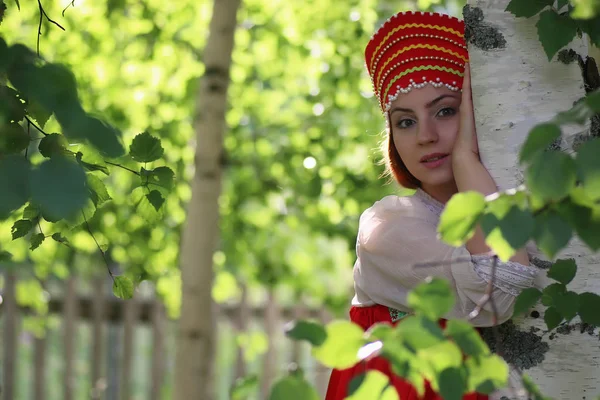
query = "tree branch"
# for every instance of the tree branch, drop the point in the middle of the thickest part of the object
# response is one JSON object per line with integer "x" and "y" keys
{"x": 87, "y": 225}
{"x": 121, "y": 166}
{"x": 29, "y": 121}
{"x": 42, "y": 15}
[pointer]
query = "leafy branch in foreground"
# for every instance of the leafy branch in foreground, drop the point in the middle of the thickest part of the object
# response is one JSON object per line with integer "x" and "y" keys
{"x": 64, "y": 190}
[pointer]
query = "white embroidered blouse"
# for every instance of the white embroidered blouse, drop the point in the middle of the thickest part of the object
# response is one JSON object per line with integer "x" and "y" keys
{"x": 398, "y": 232}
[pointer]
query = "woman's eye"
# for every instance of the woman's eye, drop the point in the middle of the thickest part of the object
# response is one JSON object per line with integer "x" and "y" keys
{"x": 444, "y": 112}
{"x": 404, "y": 123}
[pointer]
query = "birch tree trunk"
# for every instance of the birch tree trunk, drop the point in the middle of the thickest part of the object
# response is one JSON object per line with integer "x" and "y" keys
{"x": 196, "y": 337}
{"x": 515, "y": 88}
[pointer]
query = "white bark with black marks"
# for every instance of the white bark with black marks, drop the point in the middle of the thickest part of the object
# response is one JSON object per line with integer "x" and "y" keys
{"x": 194, "y": 374}
{"x": 515, "y": 88}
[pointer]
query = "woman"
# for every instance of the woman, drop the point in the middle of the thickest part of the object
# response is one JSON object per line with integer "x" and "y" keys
{"x": 418, "y": 64}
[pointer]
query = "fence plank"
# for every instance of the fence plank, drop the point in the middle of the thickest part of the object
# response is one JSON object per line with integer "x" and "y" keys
{"x": 241, "y": 325}
{"x": 69, "y": 335}
{"x": 130, "y": 315}
{"x": 98, "y": 380}
{"x": 300, "y": 312}
{"x": 322, "y": 373}
{"x": 271, "y": 322}
{"x": 10, "y": 337}
{"x": 158, "y": 354}
{"x": 39, "y": 368}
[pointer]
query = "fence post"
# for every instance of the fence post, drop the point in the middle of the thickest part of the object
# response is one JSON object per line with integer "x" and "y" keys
{"x": 130, "y": 316}
{"x": 159, "y": 353}
{"x": 8, "y": 390}
{"x": 98, "y": 380}
{"x": 270, "y": 358}
{"x": 69, "y": 335}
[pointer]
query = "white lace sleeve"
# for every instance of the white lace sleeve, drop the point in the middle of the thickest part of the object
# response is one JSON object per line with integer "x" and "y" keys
{"x": 511, "y": 277}
{"x": 396, "y": 234}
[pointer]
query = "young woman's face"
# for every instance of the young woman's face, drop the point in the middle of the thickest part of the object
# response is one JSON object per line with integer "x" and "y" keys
{"x": 424, "y": 125}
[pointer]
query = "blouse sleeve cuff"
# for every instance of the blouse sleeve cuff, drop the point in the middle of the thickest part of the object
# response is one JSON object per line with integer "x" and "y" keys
{"x": 511, "y": 277}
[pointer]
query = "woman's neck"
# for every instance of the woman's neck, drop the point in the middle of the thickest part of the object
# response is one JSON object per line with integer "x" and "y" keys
{"x": 441, "y": 193}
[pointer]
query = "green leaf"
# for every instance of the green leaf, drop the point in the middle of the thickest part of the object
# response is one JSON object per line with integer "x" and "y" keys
{"x": 162, "y": 178}
{"x": 52, "y": 145}
{"x": 552, "y": 233}
{"x": 12, "y": 106}
{"x": 91, "y": 166}
{"x": 340, "y": 348}
{"x": 355, "y": 383}
{"x": 563, "y": 271}
{"x": 552, "y": 291}
{"x": 561, "y": 4}
{"x": 585, "y": 220}
{"x": 380, "y": 331}
{"x": 123, "y": 287}
{"x": 532, "y": 389}
{"x": 552, "y": 317}
{"x": 58, "y": 237}
{"x": 245, "y": 387}
{"x": 59, "y": 187}
{"x": 21, "y": 228}
{"x": 13, "y": 138}
{"x": 144, "y": 208}
{"x": 457, "y": 222}
{"x": 146, "y": 148}
{"x": 589, "y": 304}
{"x": 312, "y": 332}
{"x": 97, "y": 189}
{"x": 508, "y": 233}
{"x": 466, "y": 337}
{"x": 5, "y": 256}
{"x": 551, "y": 175}
{"x": 36, "y": 240}
{"x": 14, "y": 183}
{"x": 31, "y": 212}
{"x": 156, "y": 199}
{"x": 453, "y": 383}
{"x": 293, "y": 388}
{"x": 539, "y": 138}
{"x": 555, "y": 31}
{"x": 374, "y": 385}
{"x": 39, "y": 113}
{"x": 581, "y": 111}
{"x": 567, "y": 304}
{"x": 419, "y": 333}
{"x": 588, "y": 164}
{"x": 486, "y": 374}
{"x": 527, "y": 8}
{"x": 585, "y": 9}
{"x": 103, "y": 137}
{"x": 525, "y": 300}
{"x": 433, "y": 298}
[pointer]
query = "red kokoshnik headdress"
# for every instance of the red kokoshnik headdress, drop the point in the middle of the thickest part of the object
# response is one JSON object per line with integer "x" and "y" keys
{"x": 414, "y": 49}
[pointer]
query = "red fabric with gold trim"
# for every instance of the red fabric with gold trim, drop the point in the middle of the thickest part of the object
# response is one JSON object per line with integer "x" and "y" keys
{"x": 412, "y": 49}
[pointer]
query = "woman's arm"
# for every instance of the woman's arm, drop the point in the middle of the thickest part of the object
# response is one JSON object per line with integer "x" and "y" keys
{"x": 469, "y": 173}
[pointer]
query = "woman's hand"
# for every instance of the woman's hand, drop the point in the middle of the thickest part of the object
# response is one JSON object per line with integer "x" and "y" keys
{"x": 466, "y": 145}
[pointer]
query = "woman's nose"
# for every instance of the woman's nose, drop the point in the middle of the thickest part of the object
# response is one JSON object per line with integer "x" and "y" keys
{"x": 427, "y": 133}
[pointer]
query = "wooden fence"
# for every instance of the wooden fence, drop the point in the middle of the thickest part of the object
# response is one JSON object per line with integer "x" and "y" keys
{"x": 104, "y": 348}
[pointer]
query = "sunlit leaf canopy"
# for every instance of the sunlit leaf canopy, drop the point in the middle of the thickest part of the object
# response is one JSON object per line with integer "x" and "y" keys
{"x": 302, "y": 139}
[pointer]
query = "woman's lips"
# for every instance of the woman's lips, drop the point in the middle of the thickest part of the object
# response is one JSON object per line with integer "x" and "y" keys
{"x": 435, "y": 163}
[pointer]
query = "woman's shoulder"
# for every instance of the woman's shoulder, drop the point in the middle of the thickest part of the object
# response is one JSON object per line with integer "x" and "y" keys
{"x": 396, "y": 206}
{"x": 395, "y": 216}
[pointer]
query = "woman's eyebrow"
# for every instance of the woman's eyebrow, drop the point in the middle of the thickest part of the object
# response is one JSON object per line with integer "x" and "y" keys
{"x": 428, "y": 105}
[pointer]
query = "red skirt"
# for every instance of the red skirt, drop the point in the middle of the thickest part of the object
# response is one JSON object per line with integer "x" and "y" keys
{"x": 365, "y": 317}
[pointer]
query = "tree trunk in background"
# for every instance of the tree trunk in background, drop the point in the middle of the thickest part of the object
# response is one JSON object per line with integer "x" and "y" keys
{"x": 196, "y": 339}
{"x": 515, "y": 88}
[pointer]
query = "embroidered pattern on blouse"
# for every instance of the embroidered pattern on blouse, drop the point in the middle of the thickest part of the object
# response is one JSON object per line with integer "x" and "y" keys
{"x": 432, "y": 204}
{"x": 511, "y": 277}
{"x": 396, "y": 314}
